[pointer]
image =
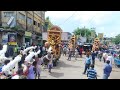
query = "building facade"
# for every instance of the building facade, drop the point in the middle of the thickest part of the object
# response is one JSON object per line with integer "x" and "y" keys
{"x": 26, "y": 25}
{"x": 66, "y": 36}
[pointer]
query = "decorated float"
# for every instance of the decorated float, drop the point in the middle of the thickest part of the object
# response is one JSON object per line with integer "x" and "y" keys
{"x": 72, "y": 44}
{"x": 96, "y": 44}
{"x": 53, "y": 43}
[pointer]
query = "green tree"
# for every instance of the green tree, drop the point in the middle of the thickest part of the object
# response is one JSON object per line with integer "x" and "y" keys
{"x": 116, "y": 40}
{"x": 84, "y": 32}
{"x": 48, "y": 23}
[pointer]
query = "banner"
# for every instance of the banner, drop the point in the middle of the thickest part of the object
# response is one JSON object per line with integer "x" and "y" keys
{"x": 100, "y": 35}
{"x": 12, "y": 39}
{"x": 28, "y": 34}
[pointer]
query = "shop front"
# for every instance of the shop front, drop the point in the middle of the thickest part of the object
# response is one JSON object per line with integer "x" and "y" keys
{"x": 9, "y": 38}
{"x": 28, "y": 36}
{"x": 12, "y": 39}
{"x": 37, "y": 39}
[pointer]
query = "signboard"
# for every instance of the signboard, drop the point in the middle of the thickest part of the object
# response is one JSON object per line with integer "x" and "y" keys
{"x": 44, "y": 35}
{"x": 92, "y": 34}
{"x": 83, "y": 39}
{"x": 28, "y": 34}
{"x": 64, "y": 36}
{"x": 12, "y": 39}
{"x": 5, "y": 39}
{"x": 12, "y": 43}
{"x": 100, "y": 35}
{"x": 11, "y": 19}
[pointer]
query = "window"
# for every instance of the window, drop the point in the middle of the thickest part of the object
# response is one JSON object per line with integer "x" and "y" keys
{"x": 40, "y": 27}
{"x": 38, "y": 24}
{"x": 35, "y": 23}
{"x": 43, "y": 15}
{"x": 29, "y": 20}
{"x": 22, "y": 16}
{"x": 8, "y": 14}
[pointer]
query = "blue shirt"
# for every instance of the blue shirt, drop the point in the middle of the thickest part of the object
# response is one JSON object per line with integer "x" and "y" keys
{"x": 88, "y": 60}
{"x": 91, "y": 74}
{"x": 107, "y": 69}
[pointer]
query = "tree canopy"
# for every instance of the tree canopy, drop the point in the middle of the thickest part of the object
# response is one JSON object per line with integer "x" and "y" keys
{"x": 48, "y": 23}
{"x": 84, "y": 32}
{"x": 116, "y": 40}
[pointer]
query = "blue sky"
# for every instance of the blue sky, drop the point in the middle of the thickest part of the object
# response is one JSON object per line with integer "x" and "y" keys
{"x": 107, "y": 22}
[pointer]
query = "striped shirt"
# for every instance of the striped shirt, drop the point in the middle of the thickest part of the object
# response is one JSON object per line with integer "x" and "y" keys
{"x": 91, "y": 74}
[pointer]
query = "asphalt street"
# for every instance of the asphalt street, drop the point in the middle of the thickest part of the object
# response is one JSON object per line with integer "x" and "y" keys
{"x": 73, "y": 70}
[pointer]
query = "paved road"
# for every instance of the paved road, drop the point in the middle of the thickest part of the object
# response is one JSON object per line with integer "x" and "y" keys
{"x": 73, "y": 70}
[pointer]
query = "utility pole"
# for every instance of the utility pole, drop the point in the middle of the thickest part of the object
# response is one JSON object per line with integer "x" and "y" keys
{"x": 0, "y": 18}
{"x": 26, "y": 21}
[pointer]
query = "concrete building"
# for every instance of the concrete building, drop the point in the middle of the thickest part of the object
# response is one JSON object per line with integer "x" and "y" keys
{"x": 26, "y": 25}
{"x": 65, "y": 36}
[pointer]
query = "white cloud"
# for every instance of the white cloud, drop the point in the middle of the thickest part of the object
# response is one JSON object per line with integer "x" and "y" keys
{"x": 59, "y": 14}
{"x": 84, "y": 17}
{"x": 104, "y": 21}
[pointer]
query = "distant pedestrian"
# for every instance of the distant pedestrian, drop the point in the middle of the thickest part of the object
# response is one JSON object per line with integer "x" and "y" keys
{"x": 91, "y": 73}
{"x": 87, "y": 63}
{"x": 76, "y": 54}
{"x": 80, "y": 52}
{"x": 100, "y": 56}
{"x": 107, "y": 70}
{"x": 105, "y": 55}
{"x": 110, "y": 58}
{"x": 69, "y": 54}
{"x": 64, "y": 50}
{"x": 93, "y": 57}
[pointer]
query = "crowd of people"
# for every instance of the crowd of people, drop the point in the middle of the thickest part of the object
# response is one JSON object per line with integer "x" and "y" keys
{"x": 32, "y": 69}
{"x": 28, "y": 69}
{"x": 105, "y": 55}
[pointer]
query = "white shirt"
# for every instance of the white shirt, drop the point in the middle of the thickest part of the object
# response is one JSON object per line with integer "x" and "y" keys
{"x": 15, "y": 77}
{"x": 110, "y": 58}
{"x": 105, "y": 55}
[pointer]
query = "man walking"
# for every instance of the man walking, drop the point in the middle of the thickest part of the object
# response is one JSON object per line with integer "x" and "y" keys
{"x": 93, "y": 57}
{"x": 91, "y": 73}
{"x": 64, "y": 50}
{"x": 69, "y": 55}
{"x": 107, "y": 70}
{"x": 87, "y": 63}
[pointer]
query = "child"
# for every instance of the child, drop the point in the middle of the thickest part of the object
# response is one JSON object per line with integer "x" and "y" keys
{"x": 38, "y": 67}
{"x": 32, "y": 71}
{"x": 50, "y": 64}
{"x": 91, "y": 73}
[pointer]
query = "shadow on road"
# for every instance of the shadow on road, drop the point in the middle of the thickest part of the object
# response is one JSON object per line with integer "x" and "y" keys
{"x": 56, "y": 74}
{"x": 43, "y": 76}
{"x": 63, "y": 64}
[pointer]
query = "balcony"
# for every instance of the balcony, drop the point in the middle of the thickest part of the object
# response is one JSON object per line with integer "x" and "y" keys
{"x": 37, "y": 29}
{"x": 29, "y": 27}
{"x": 21, "y": 25}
